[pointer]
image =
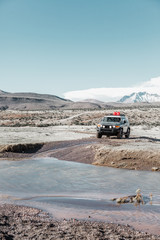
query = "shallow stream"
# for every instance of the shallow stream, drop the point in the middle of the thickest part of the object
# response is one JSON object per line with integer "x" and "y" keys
{"x": 75, "y": 190}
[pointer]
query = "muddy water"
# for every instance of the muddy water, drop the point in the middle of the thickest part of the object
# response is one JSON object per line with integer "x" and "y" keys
{"x": 75, "y": 190}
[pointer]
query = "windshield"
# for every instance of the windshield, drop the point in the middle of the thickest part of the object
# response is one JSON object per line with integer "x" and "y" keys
{"x": 111, "y": 119}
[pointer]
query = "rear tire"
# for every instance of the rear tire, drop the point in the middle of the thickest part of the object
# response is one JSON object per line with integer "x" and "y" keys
{"x": 128, "y": 133}
{"x": 120, "y": 134}
{"x": 99, "y": 135}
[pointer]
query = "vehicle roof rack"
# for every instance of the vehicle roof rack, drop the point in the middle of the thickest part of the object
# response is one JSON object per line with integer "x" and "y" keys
{"x": 117, "y": 114}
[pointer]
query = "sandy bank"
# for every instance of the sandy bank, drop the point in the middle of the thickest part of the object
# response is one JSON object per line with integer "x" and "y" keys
{"x": 137, "y": 153}
{"x": 21, "y": 135}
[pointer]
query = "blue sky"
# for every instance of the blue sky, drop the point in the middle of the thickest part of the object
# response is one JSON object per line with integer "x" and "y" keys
{"x": 57, "y": 46}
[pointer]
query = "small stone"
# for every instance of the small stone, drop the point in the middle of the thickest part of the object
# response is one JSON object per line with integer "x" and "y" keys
{"x": 138, "y": 191}
{"x": 155, "y": 168}
{"x": 118, "y": 200}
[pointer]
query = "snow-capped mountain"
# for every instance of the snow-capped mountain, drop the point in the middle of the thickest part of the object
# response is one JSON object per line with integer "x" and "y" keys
{"x": 2, "y": 92}
{"x": 140, "y": 97}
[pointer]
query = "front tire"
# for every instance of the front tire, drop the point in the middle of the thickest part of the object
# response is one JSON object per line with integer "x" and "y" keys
{"x": 120, "y": 134}
{"x": 128, "y": 133}
{"x": 99, "y": 135}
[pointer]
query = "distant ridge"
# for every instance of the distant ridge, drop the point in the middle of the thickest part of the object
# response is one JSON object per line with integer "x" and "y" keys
{"x": 140, "y": 97}
{"x": 31, "y": 101}
{"x": 93, "y": 101}
{"x": 35, "y": 101}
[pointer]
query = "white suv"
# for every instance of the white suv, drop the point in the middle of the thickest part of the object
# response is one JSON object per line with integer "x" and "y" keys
{"x": 114, "y": 125}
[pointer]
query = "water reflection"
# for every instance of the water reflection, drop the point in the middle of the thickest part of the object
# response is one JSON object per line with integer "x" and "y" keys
{"x": 51, "y": 176}
{"x": 61, "y": 186}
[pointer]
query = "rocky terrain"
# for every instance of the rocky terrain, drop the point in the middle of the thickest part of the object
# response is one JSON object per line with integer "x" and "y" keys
{"x": 27, "y": 223}
{"x": 148, "y": 116}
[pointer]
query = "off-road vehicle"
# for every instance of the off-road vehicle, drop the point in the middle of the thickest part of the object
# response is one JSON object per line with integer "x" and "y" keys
{"x": 115, "y": 124}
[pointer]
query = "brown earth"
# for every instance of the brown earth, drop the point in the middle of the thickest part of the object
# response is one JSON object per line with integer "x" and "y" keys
{"x": 110, "y": 153}
{"x": 135, "y": 153}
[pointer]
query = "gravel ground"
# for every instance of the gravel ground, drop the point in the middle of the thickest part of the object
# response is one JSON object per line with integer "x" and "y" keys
{"x": 17, "y": 222}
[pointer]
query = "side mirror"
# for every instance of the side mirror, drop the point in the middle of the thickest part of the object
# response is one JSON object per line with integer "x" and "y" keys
{"x": 124, "y": 121}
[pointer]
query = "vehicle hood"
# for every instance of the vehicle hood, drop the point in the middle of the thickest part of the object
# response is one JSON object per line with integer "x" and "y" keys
{"x": 110, "y": 123}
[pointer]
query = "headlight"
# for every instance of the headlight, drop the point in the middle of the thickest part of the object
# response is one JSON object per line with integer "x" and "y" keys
{"x": 110, "y": 126}
{"x": 99, "y": 125}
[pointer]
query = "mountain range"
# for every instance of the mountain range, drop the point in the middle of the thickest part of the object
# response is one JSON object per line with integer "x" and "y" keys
{"x": 35, "y": 101}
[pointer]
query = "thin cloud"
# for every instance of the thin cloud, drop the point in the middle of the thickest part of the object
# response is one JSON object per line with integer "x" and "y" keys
{"x": 153, "y": 83}
{"x": 113, "y": 94}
